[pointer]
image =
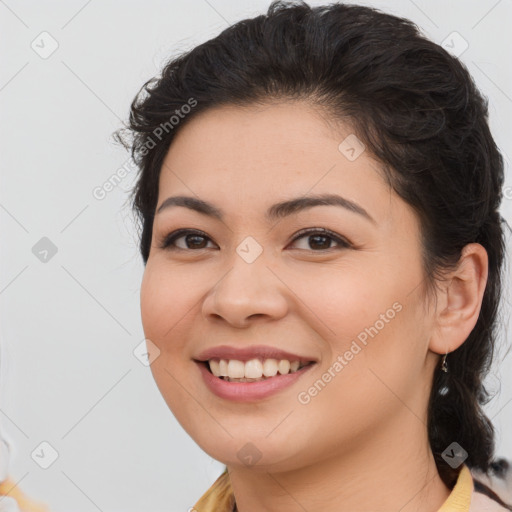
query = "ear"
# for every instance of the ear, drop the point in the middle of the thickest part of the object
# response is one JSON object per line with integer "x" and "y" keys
{"x": 460, "y": 300}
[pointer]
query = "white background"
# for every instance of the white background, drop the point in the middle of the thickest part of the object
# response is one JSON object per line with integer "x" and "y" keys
{"x": 69, "y": 326}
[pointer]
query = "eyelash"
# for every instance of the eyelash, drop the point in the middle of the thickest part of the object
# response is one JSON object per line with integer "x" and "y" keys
{"x": 169, "y": 240}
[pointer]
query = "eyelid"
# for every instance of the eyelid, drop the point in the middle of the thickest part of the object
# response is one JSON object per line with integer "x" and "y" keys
{"x": 342, "y": 241}
{"x": 169, "y": 239}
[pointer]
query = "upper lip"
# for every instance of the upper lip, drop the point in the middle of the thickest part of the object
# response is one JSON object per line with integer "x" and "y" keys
{"x": 252, "y": 352}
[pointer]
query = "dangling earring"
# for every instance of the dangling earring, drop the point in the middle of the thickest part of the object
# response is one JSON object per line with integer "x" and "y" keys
{"x": 444, "y": 366}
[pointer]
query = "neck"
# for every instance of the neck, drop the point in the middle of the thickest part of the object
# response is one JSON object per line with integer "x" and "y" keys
{"x": 395, "y": 470}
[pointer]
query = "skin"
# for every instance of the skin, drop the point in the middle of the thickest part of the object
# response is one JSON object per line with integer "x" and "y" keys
{"x": 361, "y": 443}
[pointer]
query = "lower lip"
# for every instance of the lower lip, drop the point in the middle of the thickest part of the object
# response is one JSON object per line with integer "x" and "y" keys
{"x": 249, "y": 391}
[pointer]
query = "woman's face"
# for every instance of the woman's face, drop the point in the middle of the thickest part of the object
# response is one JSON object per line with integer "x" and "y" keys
{"x": 354, "y": 305}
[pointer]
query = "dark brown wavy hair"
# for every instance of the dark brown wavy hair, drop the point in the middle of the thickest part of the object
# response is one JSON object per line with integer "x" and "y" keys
{"x": 418, "y": 111}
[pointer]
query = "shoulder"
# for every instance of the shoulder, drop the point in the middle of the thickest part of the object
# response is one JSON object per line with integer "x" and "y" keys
{"x": 218, "y": 498}
{"x": 483, "y": 503}
{"x": 492, "y": 492}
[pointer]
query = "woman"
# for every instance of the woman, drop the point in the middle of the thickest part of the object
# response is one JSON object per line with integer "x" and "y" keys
{"x": 318, "y": 196}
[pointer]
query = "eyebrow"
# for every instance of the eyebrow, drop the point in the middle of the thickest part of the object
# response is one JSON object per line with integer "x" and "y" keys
{"x": 276, "y": 211}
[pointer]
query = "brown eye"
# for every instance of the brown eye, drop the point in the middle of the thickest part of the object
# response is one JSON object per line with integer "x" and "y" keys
{"x": 320, "y": 239}
{"x": 193, "y": 240}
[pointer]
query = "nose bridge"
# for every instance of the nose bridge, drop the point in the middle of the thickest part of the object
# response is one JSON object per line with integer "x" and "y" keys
{"x": 249, "y": 250}
{"x": 247, "y": 276}
{"x": 248, "y": 288}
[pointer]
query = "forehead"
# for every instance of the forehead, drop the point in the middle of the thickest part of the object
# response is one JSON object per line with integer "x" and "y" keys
{"x": 262, "y": 152}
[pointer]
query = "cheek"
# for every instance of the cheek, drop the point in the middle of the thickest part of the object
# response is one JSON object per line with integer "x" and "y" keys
{"x": 369, "y": 319}
{"x": 164, "y": 322}
{"x": 164, "y": 302}
{"x": 165, "y": 297}
{"x": 153, "y": 299}
{"x": 341, "y": 301}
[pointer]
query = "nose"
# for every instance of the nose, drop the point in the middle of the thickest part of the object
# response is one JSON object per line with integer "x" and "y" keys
{"x": 247, "y": 292}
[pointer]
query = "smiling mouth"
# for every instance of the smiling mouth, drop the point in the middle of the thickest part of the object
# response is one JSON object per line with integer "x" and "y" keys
{"x": 255, "y": 370}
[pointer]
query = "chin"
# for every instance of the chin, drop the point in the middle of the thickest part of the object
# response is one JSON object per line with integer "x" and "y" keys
{"x": 255, "y": 453}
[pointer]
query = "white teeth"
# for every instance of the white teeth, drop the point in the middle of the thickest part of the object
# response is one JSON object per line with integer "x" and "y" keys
{"x": 223, "y": 368}
{"x": 236, "y": 369}
{"x": 215, "y": 367}
{"x": 283, "y": 366}
{"x": 252, "y": 369}
{"x": 270, "y": 367}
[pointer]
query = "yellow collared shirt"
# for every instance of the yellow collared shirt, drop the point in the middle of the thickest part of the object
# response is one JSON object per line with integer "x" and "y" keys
{"x": 463, "y": 498}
